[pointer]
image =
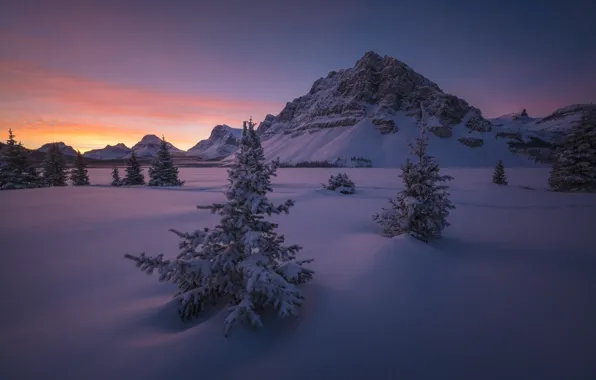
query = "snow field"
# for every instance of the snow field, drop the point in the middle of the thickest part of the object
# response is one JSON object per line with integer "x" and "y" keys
{"x": 507, "y": 293}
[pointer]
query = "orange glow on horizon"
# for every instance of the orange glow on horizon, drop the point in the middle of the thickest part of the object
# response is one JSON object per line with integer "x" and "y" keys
{"x": 43, "y": 105}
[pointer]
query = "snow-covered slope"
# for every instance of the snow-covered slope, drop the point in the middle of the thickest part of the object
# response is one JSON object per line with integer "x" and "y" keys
{"x": 110, "y": 152}
{"x": 538, "y": 137}
{"x": 67, "y": 150}
{"x": 222, "y": 142}
{"x": 390, "y": 150}
{"x": 149, "y": 145}
{"x": 371, "y": 111}
{"x": 507, "y": 293}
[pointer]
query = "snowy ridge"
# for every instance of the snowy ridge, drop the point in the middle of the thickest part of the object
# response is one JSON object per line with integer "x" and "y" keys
{"x": 67, "y": 150}
{"x": 110, "y": 152}
{"x": 391, "y": 150}
{"x": 222, "y": 142}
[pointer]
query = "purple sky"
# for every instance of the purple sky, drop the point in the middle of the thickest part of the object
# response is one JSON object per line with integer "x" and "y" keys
{"x": 91, "y": 73}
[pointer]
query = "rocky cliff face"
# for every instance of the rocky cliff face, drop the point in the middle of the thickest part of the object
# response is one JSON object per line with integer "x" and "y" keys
{"x": 377, "y": 88}
{"x": 222, "y": 142}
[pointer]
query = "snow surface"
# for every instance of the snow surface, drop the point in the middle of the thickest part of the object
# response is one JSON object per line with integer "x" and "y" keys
{"x": 386, "y": 151}
{"x": 507, "y": 294}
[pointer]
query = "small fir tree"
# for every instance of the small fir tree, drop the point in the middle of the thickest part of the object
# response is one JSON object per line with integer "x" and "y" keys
{"x": 79, "y": 175}
{"x": 54, "y": 167}
{"x": 162, "y": 171}
{"x": 574, "y": 166}
{"x": 422, "y": 208}
{"x": 116, "y": 181}
{"x": 243, "y": 259}
{"x": 134, "y": 172}
{"x": 499, "y": 174}
{"x": 342, "y": 183}
{"x": 15, "y": 170}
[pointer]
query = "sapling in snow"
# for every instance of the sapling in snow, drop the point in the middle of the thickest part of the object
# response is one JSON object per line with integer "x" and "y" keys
{"x": 15, "y": 170}
{"x": 134, "y": 172}
{"x": 342, "y": 183}
{"x": 499, "y": 177}
{"x": 116, "y": 181}
{"x": 243, "y": 260}
{"x": 162, "y": 171}
{"x": 54, "y": 167}
{"x": 79, "y": 175}
{"x": 422, "y": 207}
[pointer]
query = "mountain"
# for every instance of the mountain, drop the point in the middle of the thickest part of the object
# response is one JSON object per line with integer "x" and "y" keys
{"x": 67, "y": 150}
{"x": 222, "y": 142}
{"x": 372, "y": 111}
{"x": 110, "y": 152}
{"x": 149, "y": 145}
{"x": 538, "y": 137}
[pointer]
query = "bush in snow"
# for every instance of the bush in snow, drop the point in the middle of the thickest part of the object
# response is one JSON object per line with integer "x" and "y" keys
{"x": 162, "y": 171}
{"x": 574, "y": 166}
{"x": 421, "y": 209}
{"x": 15, "y": 170}
{"x": 54, "y": 167}
{"x": 243, "y": 259}
{"x": 342, "y": 183}
{"x": 116, "y": 181}
{"x": 499, "y": 174}
{"x": 79, "y": 175}
{"x": 134, "y": 172}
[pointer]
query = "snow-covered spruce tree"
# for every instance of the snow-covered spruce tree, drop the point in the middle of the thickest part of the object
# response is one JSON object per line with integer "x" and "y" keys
{"x": 134, "y": 173}
{"x": 499, "y": 177}
{"x": 116, "y": 181}
{"x": 574, "y": 167}
{"x": 162, "y": 171}
{"x": 79, "y": 175}
{"x": 242, "y": 260}
{"x": 15, "y": 170}
{"x": 422, "y": 207}
{"x": 54, "y": 167}
{"x": 342, "y": 183}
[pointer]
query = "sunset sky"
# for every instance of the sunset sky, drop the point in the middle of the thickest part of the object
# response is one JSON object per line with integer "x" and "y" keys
{"x": 92, "y": 73}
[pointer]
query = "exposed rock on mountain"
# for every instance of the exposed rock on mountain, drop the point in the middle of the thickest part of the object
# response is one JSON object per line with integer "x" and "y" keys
{"x": 377, "y": 88}
{"x": 110, "y": 152}
{"x": 67, "y": 150}
{"x": 222, "y": 142}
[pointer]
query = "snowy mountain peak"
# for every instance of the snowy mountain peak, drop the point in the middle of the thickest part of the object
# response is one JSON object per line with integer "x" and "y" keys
{"x": 376, "y": 88}
{"x": 222, "y": 142}
{"x": 149, "y": 145}
{"x": 150, "y": 139}
{"x": 65, "y": 149}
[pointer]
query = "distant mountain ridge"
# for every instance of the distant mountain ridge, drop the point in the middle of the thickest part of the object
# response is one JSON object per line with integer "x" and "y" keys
{"x": 371, "y": 111}
{"x": 222, "y": 142}
{"x": 110, "y": 152}
{"x": 67, "y": 150}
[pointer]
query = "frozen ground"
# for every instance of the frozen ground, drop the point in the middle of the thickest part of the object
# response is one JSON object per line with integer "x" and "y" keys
{"x": 508, "y": 294}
